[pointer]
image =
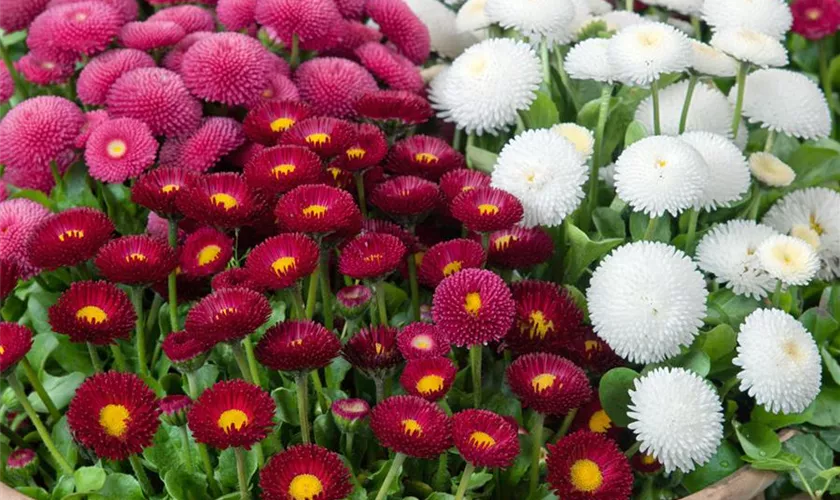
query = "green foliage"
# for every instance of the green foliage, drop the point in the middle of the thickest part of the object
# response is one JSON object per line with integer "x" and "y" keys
{"x": 614, "y": 393}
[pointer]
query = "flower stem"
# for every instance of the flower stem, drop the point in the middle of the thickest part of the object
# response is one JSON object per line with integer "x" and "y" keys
{"x": 805, "y": 483}
{"x": 597, "y": 156}
{"x": 651, "y": 228}
{"x": 39, "y": 389}
{"x": 326, "y": 291}
{"x": 303, "y": 405}
{"x": 202, "y": 448}
{"x": 415, "y": 288}
{"x": 312, "y": 293}
{"x": 140, "y": 336}
{"x": 393, "y": 472}
{"x": 824, "y": 46}
{"x": 319, "y": 390}
{"x": 239, "y": 356}
{"x": 14, "y": 383}
{"x": 173, "y": 287}
{"x": 294, "y": 57}
{"x": 240, "y": 473}
{"x": 654, "y": 93}
{"x": 771, "y": 139}
{"x": 119, "y": 359}
{"x": 741, "y": 81}
{"x": 465, "y": 481}
{"x": 546, "y": 66}
{"x": 380, "y": 304}
{"x": 380, "y": 389}
{"x": 348, "y": 444}
{"x": 185, "y": 442}
{"x": 252, "y": 360}
{"x": 567, "y": 422}
{"x": 297, "y": 302}
{"x": 628, "y": 5}
{"x": 457, "y": 139}
{"x": 140, "y": 474}
{"x": 633, "y": 449}
{"x": 475, "y": 362}
{"x": 536, "y": 438}
{"x": 360, "y": 191}
{"x": 94, "y": 357}
{"x": 689, "y": 93}
{"x": 693, "y": 216}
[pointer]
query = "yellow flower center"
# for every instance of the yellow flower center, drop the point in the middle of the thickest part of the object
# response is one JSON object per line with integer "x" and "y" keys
{"x": 472, "y": 303}
{"x": 114, "y": 419}
{"x": 135, "y": 257}
{"x": 75, "y": 234}
{"x": 80, "y": 16}
{"x": 539, "y": 325}
{"x": 807, "y": 234}
{"x": 793, "y": 351}
{"x": 477, "y": 66}
{"x": 225, "y": 200}
{"x": 169, "y": 188}
{"x": 296, "y": 342}
{"x": 661, "y": 163}
{"x": 591, "y": 345}
{"x": 482, "y": 440}
{"x": 281, "y": 124}
{"x": 374, "y": 257}
{"x": 502, "y": 242}
{"x": 422, "y": 342}
{"x": 284, "y": 169}
{"x": 2, "y": 350}
{"x": 318, "y": 139}
{"x": 208, "y": 254}
{"x": 379, "y": 348}
{"x": 224, "y": 312}
{"x": 335, "y": 172}
{"x": 452, "y": 268}
{"x": 283, "y": 265}
{"x": 813, "y": 14}
{"x": 600, "y": 422}
{"x": 586, "y": 475}
{"x": 92, "y": 315}
{"x": 488, "y": 209}
{"x": 411, "y": 427}
{"x": 426, "y": 158}
{"x": 232, "y": 419}
{"x": 649, "y": 38}
{"x": 543, "y": 381}
{"x": 816, "y": 225}
{"x": 648, "y": 459}
{"x": 355, "y": 153}
{"x": 429, "y": 384}
{"x": 305, "y": 487}
{"x": 314, "y": 211}
{"x": 116, "y": 149}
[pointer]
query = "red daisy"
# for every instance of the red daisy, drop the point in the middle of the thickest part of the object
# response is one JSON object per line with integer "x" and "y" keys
{"x": 151, "y": 34}
{"x": 382, "y": 226}
{"x": 279, "y": 169}
{"x": 205, "y": 147}
{"x": 588, "y": 466}
{"x": 547, "y": 319}
{"x": 332, "y": 85}
{"x": 236, "y": 277}
{"x": 429, "y": 378}
{"x": 228, "y": 315}
{"x": 373, "y": 351}
{"x": 474, "y": 306}
{"x": 447, "y": 258}
{"x": 69, "y": 238}
{"x": 236, "y": 15}
{"x": 135, "y": 260}
{"x": 325, "y": 136}
{"x": 158, "y": 189}
{"x": 595, "y": 354}
{"x": 815, "y": 19}
{"x": 591, "y": 417}
{"x": 280, "y": 261}
{"x": 399, "y": 106}
{"x": 431, "y": 158}
{"x": 371, "y": 256}
{"x": 158, "y": 97}
{"x": 310, "y": 21}
{"x": 406, "y": 197}
{"x": 485, "y": 439}
{"x": 267, "y": 122}
{"x": 93, "y": 119}
{"x": 422, "y": 341}
{"x": 347, "y": 413}
{"x": 297, "y": 346}
{"x": 15, "y": 342}
{"x": 520, "y": 247}
{"x": 21, "y": 465}
{"x": 16, "y": 15}
{"x": 223, "y": 200}
{"x": 317, "y": 210}
{"x": 367, "y": 150}
{"x": 338, "y": 177}
{"x": 305, "y": 472}
{"x": 206, "y": 251}
{"x": 186, "y": 350}
{"x": 486, "y": 209}
{"x": 174, "y": 408}
{"x": 391, "y": 68}
{"x": 401, "y": 27}
{"x": 9, "y": 276}
{"x": 230, "y": 68}
{"x": 190, "y": 17}
{"x": 278, "y": 87}
{"x": 549, "y": 384}
{"x": 19, "y": 219}
{"x": 645, "y": 464}
{"x": 232, "y": 413}
{"x": 352, "y": 301}
{"x": 175, "y": 55}
{"x": 67, "y": 31}
{"x": 411, "y": 426}
{"x": 43, "y": 70}
{"x": 93, "y": 311}
{"x": 114, "y": 414}
{"x": 119, "y": 150}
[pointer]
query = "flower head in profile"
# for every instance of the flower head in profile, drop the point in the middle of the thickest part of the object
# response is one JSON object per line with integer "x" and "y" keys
{"x": 352, "y": 301}
{"x": 232, "y": 413}
{"x": 228, "y": 315}
{"x": 267, "y": 122}
{"x": 549, "y": 384}
{"x": 151, "y": 34}
{"x": 771, "y": 17}
{"x": 770, "y": 170}
{"x": 305, "y": 471}
{"x": 74, "y": 29}
{"x": 310, "y": 21}
{"x": 21, "y": 465}
{"x": 422, "y": 341}
{"x": 280, "y": 261}
{"x": 708, "y": 60}
{"x": 323, "y": 135}
{"x": 333, "y": 85}
{"x": 548, "y": 20}
{"x": 102, "y": 71}
{"x": 406, "y": 198}
{"x": 401, "y": 26}
{"x": 367, "y": 150}
{"x": 136, "y": 259}
{"x": 205, "y": 252}
{"x": 371, "y": 256}
{"x": 447, "y": 258}
{"x": 348, "y": 413}
{"x": 789, "y": 259}
{"x": 589, "y": 466}
{"x": 93, "y": 311}
{"x": 223, "y": 200}
{"x": 69, "y": 238}
{"x": 389, "y": 66}
{"x": 728, "y": 177}
{"x": 205, "y": 147}
{"x": 428, "y": 378}
{"x": 235, "y": 277}
{"x": 373, "y": 351}
{"x": 317, "y": 210}
{"x": 9, "y": 276}
{"x": 174, "y": 408}
{"x": 187, "y": 350}
{"x": 520, "y": 247}
{"x": 15, "y": 344}
{"x": 749, "y": 46}
{"x": 588, "y": 60}
{"x": 400, "y": 106}
{"x": 425, "y": 156}
{"x": 158, "y": 189}
{"x": 486, "y": 210}
{"x": 412, "y": 426}
{"x": 484, "y": 438}
{"x": 297, "y": 346}
{"x": 114, "y": 414}
{"x": 547, "y": 319}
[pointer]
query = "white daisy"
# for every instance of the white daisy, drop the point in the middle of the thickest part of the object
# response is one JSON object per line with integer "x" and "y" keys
{"x": 581, "y": 137}
{"x": 617, "y": 20}
{"x": 660, "y": 174}
{"x": 471, "y": 17}
{"x": 677, "y": 417}
{"x": 487, "y": 85}
{"x": 646, "y": 300}
{"x": 678, "y": 23}
{"x": 779, "y": 360}
{"x": 440, "y": 20}
{"x": 770, "y": 170}
{"x": 788, "y": 259}
{"x": 710, "y": 61}
{"x": 729, "y": 176}
{"x": 599, "y": 7}
{"x": 607, "y": 175}
{"x": 687, "y": 7}
{"x": 771, "y": 17}
{"x": 728, "y": 251}
{"x": 786, "y": 101}
{"x": 582, "y": 16}
{"x": 750, "y": 46}
{"x": 587, "y": 60}
{"x": 812, "y": 214}
{"x": 535, "y": 19}
{"x": 545, "y": 172}
{"x": 640, "y": 54}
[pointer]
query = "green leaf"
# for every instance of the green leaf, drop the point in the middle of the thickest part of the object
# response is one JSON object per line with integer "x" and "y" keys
{"x": 182, "y": 485}
{"x": 719, "y": 341}
{"x": 167, "y": 450}
{"x": 481, "y": 159}
{"x": 639, "y": 224}
{"x": 582, "y": 252}
{"x": 440, "y": 496}
{"x": 64, "y": 441}
{"x": 378, "y": 477}
{"x": 694, "y": 360}
{"x": 726, "y": 307}
{"x": 89, "y": 479}
{"x": 43, "y": 345}
{"x": 609, "y": 223}
{"x": 831, "y": 364}
{"x": 286, "y": 400}
{"x": 614, "y": 394}
{"x": 338, "y": 370}
{"x": 65, "y": 486}
{"x": 820, "y": 323}
{"x": 227, "y": 467}
{"x": 121, "y": 486}
{"x": 827, "y": 408}
{"x": 636, "y": 131}
{"x": 542, "y": 113}
{"x": 395, "y": 297}
{"x": 325, "y": 431}
{"x": 782, "y": 462}
{"x": 72, "y": 356}
{"x": 724, "y": 462}
{"x": 816, "y": 457}
{"x": 60, "y": 390}
{"x": 831, "y": 437}
{"x": 758, "y": 440}
{"x": 779, "y": 420}
{"x": 36, "y": 196}
{"x": 579, "y": 299}
{"x": 34, "y": 492}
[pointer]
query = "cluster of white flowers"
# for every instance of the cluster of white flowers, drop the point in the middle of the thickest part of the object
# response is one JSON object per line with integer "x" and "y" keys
{"x": 728, "y": 252}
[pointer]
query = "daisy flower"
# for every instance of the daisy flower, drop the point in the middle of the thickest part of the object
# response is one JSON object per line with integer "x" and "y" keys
{"x": 592, "y": 418}
{"x": 43, "y": 70}
{"x": 317, "y": 210}
{"x": 708, "y": 60}
{"x": 588, "y": 466}
{"x": 205, "y": 147}
{"x": 371, "y": 256}
{"x": 640, "y": 54}
{"x": 16, "y": 342}
{"x": 158, "y": 189}
{"x": 352, "y": 301}
{"x": 21, "y": 465}
{"x": 280, "y": 261}
{"x": 228, "y": 315}
{"x": 677, "y": 417}
{"x": 309, "y": 20}
{"x": 119, "y": 150}
{"x": 472, "y": 17}
{"x": 114, "y": 414}
{"x": 431, "y": 158}
{"x": 412, "y": 426}
{"x": 174, "y": 408}
{"x": 190, "y": 17}
{"x": 19, "y": 220}
{"x": 297, "y": 346}
{"x": 135, "y": 260}
{"x": 349, "y": 413}
{"x": 68, "y": 238}
{"x": 595, "y": 354}
{"x": 373, "y": 351}
{"x": 548, "y": 384}
{"x": 447, "y": 258}
{"x": 771, "y": 17}
{"x": 235, "y": 277}
{"x": 485, "y": 439}
{"x": 175, "y": 55}
{"x": 429, "y": 378}
{"x": 236, "y": 15}
{"x": 791, "y": 260}
{"x": 186, "y": 350}
{"x": 332, "y": 85}
{"x": 750, "y": 46}
{"x": 406, "y": 198}
{"x": 279, "y": 169}
{"x": 16, "y": 16}
{"x": 548, "y": 20}
{"x": 93, "y": 311}
{"x": 486, "y": 210}
{"x": 422, "y": 341}
{"x": 151, "y": 34}
{"x": 519, "y": 247}
{"x": 102, "y": 71}
{"x": 728, "y": 177}
{"x": 815, "y": 19}
{"x": 391, "y": 68}
{"x": 367, "y": 151}
{"x": 205, "y": 252}
{"x": 770, "y": 170}
{"x": 458, "y": 180}
{"x": 9, "y": 276}
{"x": 222, "y": 199}
{"x": 685, "y": 7}
{"x": 7, "y": 85}
{"x": 588, "y": 60}
{"x": 647, "y": 299}
{"x": 267, "y": 122}
{"x": 547, "y": 319}
{"x": 581, "y": 137}
{"x": 398, "y": 106}
{"x": 70, "y": 30}
{"x": 323, "y": 135}
{"x": 304, "y": 472}
{"x": 402, "y": 28}
{"x": 232, "y": 413}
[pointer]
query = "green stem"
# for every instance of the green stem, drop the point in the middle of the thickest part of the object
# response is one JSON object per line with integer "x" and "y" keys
{"x": 475, "y": 363}
{"x": 380, "y": 303}
{"x": 14, "y": 383}
{"x": 465, "y": 481}
{"x": 312, "y": 293}
{"x": 457, "y": 139}
{"x": 567, "y": 422}
{"x": 348, "y": 444}
{"x": 536, "y": 439}
{"x": 824, "y": 46}
{"x": 689, "y": 93}
{"x": 698, "y": 30}
{"x": 119, "y": 359}
{"x": 298, "y": 309}
{"x": 415, "y": 288}
{"x": 319, "y": 390}
{"x": 470, "y": 143}
{"x": 654, "y": 93}
{"x": 252, "y": 360}
{"x": 294, "y": 57}
{"x": 546, "y": 66}
{"x": 94, "y": 358}
{"x": 326, "y": 291}
{"x": 57, "y": 178}
{"x": 628, "y": 5}
{"x": 597, "y": 158}
{"x": 755, "y": 205}
{"x": 485, "y": 243}
{"x": 805, "y": 483}
{"x": 380, "y": 389}
{"x": 241, "y": 474}
{"x": 693, "y": 216}
{"x": 777, "y": 294}
{"x": 771, "y": 139}
{"x": 741, "y": 82}
{"x": 20, "y": 83}
{"x": 140, "y": 334}
{"x": 241, "y": 362}
{"x": 173, "y": 287}
{"x": 39, "y": 389}
{"x": 360, "y": 191}
{"x": 564, "y": 79}
{"x": 651, "y": 228}
{"x": 140, "y": 474}
{"x": 633, "y": 449}
{"x": 202, "y": 448}
{"x": 303, "y": 405}
{"x": 185, "y": 442}
{"x": 393, "y": 472}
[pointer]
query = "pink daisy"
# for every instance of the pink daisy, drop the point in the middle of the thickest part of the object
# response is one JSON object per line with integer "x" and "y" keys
{"x": 205, "y": 147}
{"x": 352, "y": 35}
{"x": 175, "y": 55}
{"x": 43, "y": 71}
{"x": 16, "y": 15}
{"x": 67, "y": 31}
{"x": 128, "y": 9}
{"x": 190, "y": 17}
{"x": 7, "y": 84}
{"x": 309, "y": 20}
{"x": 236, "y": 15}
{"x": 119, "y": 150}
{"x": 332, "y": 85}
{"x": 151, "y": 35}
{"x": 387, "y": 65}
{"x": 277, "y": 88}
{"x": 267, "y": 122}
{"x": 93, "y": 119}
{"x": 402, "y": 27}
{"x": 19, "y": 218}
{"x": 351, "y": 9}
{"x": 102, "y": 71}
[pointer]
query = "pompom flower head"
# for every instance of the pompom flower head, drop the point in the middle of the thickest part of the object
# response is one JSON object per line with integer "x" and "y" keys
{"x": 266, "y": 122}
{"x": 788, "y": 259}
{"x": 406, "y": 198}
{"x": 487, "y": 209}
{"x": 708, "y": 60}
{"x": 484, "y": 438}
{"x": 388, "y": 66}
{"x": 371, "y": 256}
{"x": 16, "y": 342}
{"x": 222, "y": 200}
{"x": 677, "y": 416}
{"x": 205, "y": 252}
{"x": 549, "y": 384}
{"x": 280, "y": 261}
{"x": 325, "y": 136}
{"x": 232, "y": 413}
{"x": 151, "y": 34}
{"x": 547, "y": 319}
{"x": 317, "y": 209}
{"x": 102, "y": 71}
{"x": 70, "y": 30}
{"x": 15, "y": 15}
{"x": 429, "y": 378}
{"x": 750, "y": 46}
{"x": 646, "y": 300}
{"x": 310, "y": 21}
{"x": 93, "y": 311}
{"x": 120, "y": 149}
{"x": 19, "y": 218}
{"x": 589, "y": 466}
{"x": 43, "y": 70}
{"x": 728, "y": 251}
{"x": 297, "y": 346}
{"x": 520, "y": 248}
{"x": 422, "y": 341}
{"x": 9, "y": 276}
{"x": 447, "y": 258}
{"x": 640, "y": 54}
{"x": 412, "y": 426}
{"x": 728, "y": 174}
{"x": 205, "y": 147}
{"x": 402, "y": 28}
{"x": 332, "y": 85}
{"x": 475, "y": 306}
{"x": 228, "y": 315}
{"x": 190, "y": 17}
{"x": 157, "y": 190}
{"x": 305, "y": 472}
{"x": 549, "y": 20}
{"x": 373, "y": 351}
{"x": 588, "y": 60}
{"x": 69, "y": 238}
{"x": 771, "y": 17}
{"x": 770, "y": 170}
{"x": 114, "y": 414}
{"x": 134, "y": 260}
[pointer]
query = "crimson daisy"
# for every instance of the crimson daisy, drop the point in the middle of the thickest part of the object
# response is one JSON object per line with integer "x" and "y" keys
{"x": 371, "y": 256}
{"x": 352, "y": 301}
{"x": 547, "y": 319}
{"x": 374, "y": 351}
{"x": 458, "y": 180}
{"x": 21, "y": 465}
{"x": 349, "y": 413}
{"x": 406, "y": 198}
{"x": 588, "y": 466}
{"x": 338, "y": 177}
{"x": 317, "y": 210}
{"x": 474, "y": 306}
{"x": 447, "y": 258}
{"x": 324, "y": 136}
{"x": 432, "y": 158}
{"x": 174, "y": 408}
{"x": 9, "y": 276}
{"x": 422, "y": 341}
{"x": 592, "y": 417}
{"x": 267, "y": 122}
{"x": 279, "y": 169}
{"x": 487, "y": 209}
{"x": 645, "y": 464}
{"x": 232, "y": 413}
{"x": 485, "y": 439}
{"x": 396, "y": 106}
{"x": 93, "y": 311}
{"x": 549, "y": 384}
{"x": 280, "y": 261}
{"x": 15, "y": 342}
{"x": 429, "y": 378}
{"x": 69, "y": 238}
{"x": 412, "y": 426}
{"x": 134, "y": 260}
{"x": 297, "y": 346}
{"x": 114, "y": 414}
{"x": 157, "y": 190}
{"x": 235, "y": 277}
{"x": 186, "y": 350}
{"x": 595, "y": 354}
{"x": 305, "y": 472}
{"x": 223, "y": 200}
{"x": 520, "y": 247}
{"x": 228, "y": 315}
{"x": 205, "y": 252}
{"x": 410, "y": 241}
{"x": 367, "y": 150}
